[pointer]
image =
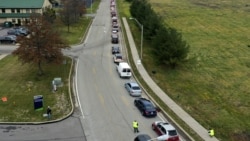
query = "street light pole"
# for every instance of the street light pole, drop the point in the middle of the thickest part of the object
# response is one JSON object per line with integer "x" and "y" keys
{"x": 91, "y": 6}
{"x": 141, "y": 34}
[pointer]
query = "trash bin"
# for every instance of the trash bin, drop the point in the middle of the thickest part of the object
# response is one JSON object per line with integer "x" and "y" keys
{"x": 38, "y": 102}
{"x": 7, "y": 24}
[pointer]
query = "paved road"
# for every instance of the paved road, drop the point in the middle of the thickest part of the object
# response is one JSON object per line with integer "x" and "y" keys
{"x": 108, "y": 110}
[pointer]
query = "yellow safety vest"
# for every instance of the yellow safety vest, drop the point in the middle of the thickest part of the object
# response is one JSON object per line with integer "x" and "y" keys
{"x": 211, "y": 132}
{"x": 135, "y": 124}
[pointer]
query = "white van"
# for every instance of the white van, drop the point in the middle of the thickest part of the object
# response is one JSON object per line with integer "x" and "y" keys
{"x": 124, "y": 70}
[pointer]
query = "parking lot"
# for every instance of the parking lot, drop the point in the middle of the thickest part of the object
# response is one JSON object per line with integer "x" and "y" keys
{"x": 3, "y": 31}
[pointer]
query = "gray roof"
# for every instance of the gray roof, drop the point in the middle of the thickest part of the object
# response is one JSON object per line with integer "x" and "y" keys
{"x": 21, "y": 3}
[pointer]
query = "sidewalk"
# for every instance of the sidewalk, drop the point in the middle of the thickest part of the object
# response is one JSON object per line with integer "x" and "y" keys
{"x": 192, "y": 123}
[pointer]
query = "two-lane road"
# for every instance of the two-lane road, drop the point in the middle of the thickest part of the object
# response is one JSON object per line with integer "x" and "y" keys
{"x": 107, "y": 108}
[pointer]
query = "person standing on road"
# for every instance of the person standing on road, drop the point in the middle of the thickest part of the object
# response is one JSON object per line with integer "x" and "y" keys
{"x": 135, "y": 126}
{"x": 49, "y": 112}
{"x": 211, "y": 132}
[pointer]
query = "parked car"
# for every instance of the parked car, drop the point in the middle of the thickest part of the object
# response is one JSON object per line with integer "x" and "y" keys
{"x": 142, "y": 137}
{"x": 13, "y": 32}
{"x": 22, "y": 30}
{"x": 165, "y": 128}
{"x": 117, "y": 58}
{"x": 8, "y": 39}
{"x": 115, "y": 49}
{"x": 146, "y": 107}
{"x": 133, "y": 88}
{"x": 115, "y": 27}
{"x": 18, "y": 31}
{"x": 114, "y": 38}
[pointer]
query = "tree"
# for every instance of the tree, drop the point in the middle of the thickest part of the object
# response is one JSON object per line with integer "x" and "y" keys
{"x": 49, "y": 14}
{"x": 71, "y": 12}
{"x": 43, "y": 44}
{"x": 170, "y": 49}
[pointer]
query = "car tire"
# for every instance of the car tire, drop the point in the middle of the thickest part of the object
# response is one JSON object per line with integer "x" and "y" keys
{"x": 142, "y": 113}
{"x": 135, "y": 104}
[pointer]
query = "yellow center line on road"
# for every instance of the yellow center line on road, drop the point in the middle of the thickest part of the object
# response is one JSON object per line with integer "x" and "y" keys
{"x": 101, "y": 99}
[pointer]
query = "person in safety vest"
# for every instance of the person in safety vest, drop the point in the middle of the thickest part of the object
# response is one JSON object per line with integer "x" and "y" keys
{"x": 135, "y": 126}
{"x": 211, "y": 132}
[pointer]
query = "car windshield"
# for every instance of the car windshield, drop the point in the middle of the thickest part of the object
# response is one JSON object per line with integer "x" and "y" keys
{"x": 172, "y": 133}
{"x": 136, "y": 88}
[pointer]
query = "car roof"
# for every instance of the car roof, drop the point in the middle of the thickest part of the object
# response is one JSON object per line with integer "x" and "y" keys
{"x": 143, "y": 137}
{"x": 133, "y": 84}
{"x": 167, "y": 126}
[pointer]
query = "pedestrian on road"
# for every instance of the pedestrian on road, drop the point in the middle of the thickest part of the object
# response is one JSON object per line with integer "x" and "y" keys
{"x": 135, "y": 126}
{"x": 211, "y": 132}
{"x": 49, "y": 112}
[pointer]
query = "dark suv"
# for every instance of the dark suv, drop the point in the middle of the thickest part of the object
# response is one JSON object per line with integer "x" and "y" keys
{"x": 146, "y": 107}
{"x": 115, "y": 49}
{"x": 114, "y": 38}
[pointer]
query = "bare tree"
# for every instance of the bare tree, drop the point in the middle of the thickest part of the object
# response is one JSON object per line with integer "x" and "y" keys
{"x": 71, "y": 12}
{"x": 44, "y": 45}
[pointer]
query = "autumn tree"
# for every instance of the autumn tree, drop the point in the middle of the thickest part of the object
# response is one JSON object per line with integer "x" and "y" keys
{"x": 44, "y": 45}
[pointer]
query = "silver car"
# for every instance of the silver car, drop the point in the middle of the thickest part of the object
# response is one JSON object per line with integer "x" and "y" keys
{"x": 133, "y": 89}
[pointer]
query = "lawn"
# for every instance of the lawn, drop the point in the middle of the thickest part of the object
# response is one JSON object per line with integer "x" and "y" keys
{"x": 20, "y": 83}
{"x": 213, "y": 84}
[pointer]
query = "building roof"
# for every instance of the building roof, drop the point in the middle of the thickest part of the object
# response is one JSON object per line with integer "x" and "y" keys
{"x": 21, "y": 3}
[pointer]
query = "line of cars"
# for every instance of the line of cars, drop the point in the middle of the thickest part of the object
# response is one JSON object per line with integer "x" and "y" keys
{"x": 12, "y": 34}
{"x": 145, "y": 106}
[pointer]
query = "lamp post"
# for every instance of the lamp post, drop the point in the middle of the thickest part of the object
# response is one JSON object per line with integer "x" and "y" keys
{"x": 141, "y": 33}
{"x": 91, "y": 6}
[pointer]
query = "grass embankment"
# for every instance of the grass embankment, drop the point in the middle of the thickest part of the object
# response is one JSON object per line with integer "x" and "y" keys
{"x": 213, "y": 84}
{"x": 20, "y": 83}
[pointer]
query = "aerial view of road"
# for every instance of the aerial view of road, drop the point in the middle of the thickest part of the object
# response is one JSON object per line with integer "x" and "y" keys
{"x": 104, "y": 109}
{"x": 108, "y": 110}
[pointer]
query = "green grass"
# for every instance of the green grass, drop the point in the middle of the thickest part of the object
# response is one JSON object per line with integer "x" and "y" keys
{"x": 213, "y": 85}
{"x": 76, "y": 31}
{"x": 94, "y": 7}
{"x": 20, "y": 83}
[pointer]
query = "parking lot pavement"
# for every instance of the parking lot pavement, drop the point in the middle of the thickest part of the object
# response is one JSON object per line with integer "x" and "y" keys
{"x": 3, "y": 31}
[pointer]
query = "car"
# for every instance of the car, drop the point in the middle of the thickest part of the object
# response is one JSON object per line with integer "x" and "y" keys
{"x": 13, "y": 32}
{"x": 117, "y": 58}
{"x": 115, "y": 49}
{"x": 18, "y": 31}
{"x": 22, "y": 30}
{"x": 8, "y": 39}
{"x": 114, "y": 38}
{"x": 133, "y": 88}
{"x": 115, "y": 27}
{"x": 165, "y": 128}
{"x": 142, "y": 137}
{"x": 146, "y": 107}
